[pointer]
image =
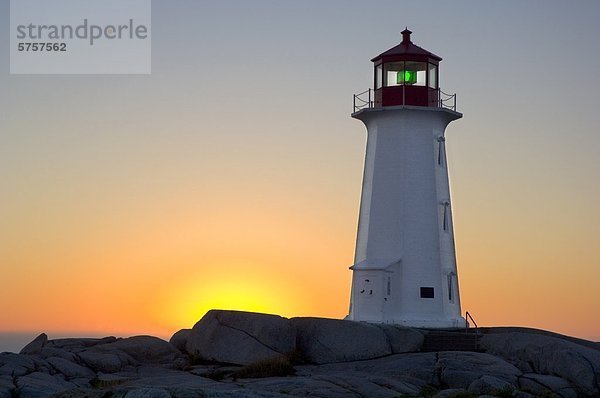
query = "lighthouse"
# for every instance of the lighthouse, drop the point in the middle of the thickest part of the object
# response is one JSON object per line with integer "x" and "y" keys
{"x": 404, "y": 269}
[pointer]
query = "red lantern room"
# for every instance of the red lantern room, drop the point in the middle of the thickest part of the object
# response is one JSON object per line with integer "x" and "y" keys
{"x": 405, "y": 75}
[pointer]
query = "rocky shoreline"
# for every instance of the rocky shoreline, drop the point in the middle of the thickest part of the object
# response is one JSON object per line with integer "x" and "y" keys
{"x": 241, "y": 354}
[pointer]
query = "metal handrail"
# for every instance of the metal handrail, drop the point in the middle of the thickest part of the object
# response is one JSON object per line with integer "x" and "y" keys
{"x": 365, "y": 100}
{"x": 449, "y": 98}
{"x": 368, "y": 103}
{"x": 467, "y": 317}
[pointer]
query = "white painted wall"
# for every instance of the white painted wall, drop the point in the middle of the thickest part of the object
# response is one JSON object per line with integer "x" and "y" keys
{"x": 402, "y": 244}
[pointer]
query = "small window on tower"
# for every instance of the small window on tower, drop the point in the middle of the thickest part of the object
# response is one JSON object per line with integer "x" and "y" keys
{"x": 446, "y": 216}
{"x": 427, "y": 292}
{"x": 379, "y": 76}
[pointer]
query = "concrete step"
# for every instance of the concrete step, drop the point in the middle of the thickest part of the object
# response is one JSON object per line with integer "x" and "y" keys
{"x": 450, "y": 341}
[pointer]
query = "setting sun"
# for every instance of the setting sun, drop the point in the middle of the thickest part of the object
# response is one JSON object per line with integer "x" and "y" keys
{"x": 186, "y": 302}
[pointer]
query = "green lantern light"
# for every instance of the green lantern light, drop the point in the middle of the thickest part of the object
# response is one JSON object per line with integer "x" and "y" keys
{"x": 407, "y": 77}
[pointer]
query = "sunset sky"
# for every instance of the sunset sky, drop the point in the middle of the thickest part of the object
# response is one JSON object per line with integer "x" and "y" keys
{"x": 230, "y": 177}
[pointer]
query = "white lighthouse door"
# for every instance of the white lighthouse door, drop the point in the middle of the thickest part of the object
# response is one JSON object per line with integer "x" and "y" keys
{"x": 370, "y": 297}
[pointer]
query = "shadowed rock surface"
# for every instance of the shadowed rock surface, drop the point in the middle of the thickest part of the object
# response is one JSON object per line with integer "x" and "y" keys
{"x": 548, "y": 355}
{"x": 240, "y": 337}
{"x": 36, "y": 345}
{"x": 402, "y": 339}
{"x": 331, "y": 340}
{"x": 180, "y": 339}
{"x": 330, "y": 358}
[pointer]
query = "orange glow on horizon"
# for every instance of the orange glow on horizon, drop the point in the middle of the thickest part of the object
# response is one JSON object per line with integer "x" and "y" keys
{"x": 186, "y": 303}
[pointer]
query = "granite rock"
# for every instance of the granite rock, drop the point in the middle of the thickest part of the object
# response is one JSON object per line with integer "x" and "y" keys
{"x": 459, "y": 369}
{"x": 70, "y": 369}
{"x": 15, "y": 364}
{"x": 549, "y": 355}
{"x": 323, "y": 340}
{"x": 180, "y": 339}
{"x": 41, "y": 385}
{"x": 343, "y": 359}
{"x": 241, "y": 337}
{"x": 148, "y": 393}
{"x": 6, "y": 386}
{"x": 106, "y": 362}
{"x": 35, "y": 345}
{"x": 403, "y": 339}
{"x": 489, "y": 385}
{"x": 546, "y": 384}
{"x": 143, "y": 349}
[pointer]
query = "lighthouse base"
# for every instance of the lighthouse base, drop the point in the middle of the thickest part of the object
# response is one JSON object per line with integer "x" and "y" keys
{"x": 456, "y": 323}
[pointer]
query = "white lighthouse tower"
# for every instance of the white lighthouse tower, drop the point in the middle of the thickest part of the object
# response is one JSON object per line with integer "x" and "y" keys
{"x": 405, "y": 264}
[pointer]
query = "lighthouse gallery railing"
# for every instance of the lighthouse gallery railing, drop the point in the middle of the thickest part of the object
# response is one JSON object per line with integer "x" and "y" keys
{"x": 366, "y": 99}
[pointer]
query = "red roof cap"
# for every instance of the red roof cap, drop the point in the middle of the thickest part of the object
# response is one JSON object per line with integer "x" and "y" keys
{"x": 406, "y": 47}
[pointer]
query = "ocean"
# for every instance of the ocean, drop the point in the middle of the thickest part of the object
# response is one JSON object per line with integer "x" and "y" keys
{"x": 13, "y": 342}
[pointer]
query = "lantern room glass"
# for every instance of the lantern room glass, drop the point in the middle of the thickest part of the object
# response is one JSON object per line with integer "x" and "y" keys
{"x": 433, "y": 76}
{"x": 407, "y": 73}
{"x": 378, "y": 76}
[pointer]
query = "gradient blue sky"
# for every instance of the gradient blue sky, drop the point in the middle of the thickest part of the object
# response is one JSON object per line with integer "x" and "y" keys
{"x": 239, "y": 149}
